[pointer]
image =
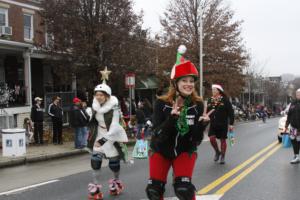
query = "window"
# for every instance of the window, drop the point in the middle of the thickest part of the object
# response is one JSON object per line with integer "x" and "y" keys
{"x": 28, "y": 27}
{"x": 49, "y": 37}
{"x": 3, "y": 17}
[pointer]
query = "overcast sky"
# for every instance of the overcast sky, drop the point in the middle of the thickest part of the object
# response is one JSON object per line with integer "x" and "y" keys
{"x": 271, "y": 30}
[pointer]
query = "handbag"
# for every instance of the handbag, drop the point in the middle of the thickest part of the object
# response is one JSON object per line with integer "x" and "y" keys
{"x": 286, "y": 141}
{"x": 140, "y": 149}
{"x": 231, "y": 138}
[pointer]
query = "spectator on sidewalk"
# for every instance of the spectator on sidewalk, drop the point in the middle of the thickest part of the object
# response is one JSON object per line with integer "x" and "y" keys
{"x": 78, "y": 120}
{"x": 37, "y": 116}
{"x": 27, "y": 125}
{"x": 147, "y": 108}
{"x": 88, "y": 111}
{"x": 56, "y": 113}
{"x": 140, "y": 119}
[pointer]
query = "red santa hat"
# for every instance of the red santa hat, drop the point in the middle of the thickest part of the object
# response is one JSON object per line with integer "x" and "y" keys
{"x": 183, "y": 67}
{"x": 217, "y": 86}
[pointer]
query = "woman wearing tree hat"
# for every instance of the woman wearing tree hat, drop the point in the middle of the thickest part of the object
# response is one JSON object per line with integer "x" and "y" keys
{"x": 222, "y": 115}
{"x": 105, "y": 140}
{"x": 177, "y": 134}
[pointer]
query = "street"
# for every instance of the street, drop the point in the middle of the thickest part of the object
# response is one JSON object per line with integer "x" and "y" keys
{"x": 256, "y": 168}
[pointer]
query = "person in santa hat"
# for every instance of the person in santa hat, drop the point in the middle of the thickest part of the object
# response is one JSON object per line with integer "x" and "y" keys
{"x": 222, "y": 115}
{"x": 106, "y": 136}
{"x": 177, "y": 133}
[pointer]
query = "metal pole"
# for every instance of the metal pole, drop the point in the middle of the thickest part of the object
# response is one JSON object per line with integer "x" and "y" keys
{"x": 130, "y": 102}
{"x": 200, "y": 51}
{"x": 249, "y": 93}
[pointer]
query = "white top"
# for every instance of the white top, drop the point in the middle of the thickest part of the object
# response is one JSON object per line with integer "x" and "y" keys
{"x": 116, "y": 132}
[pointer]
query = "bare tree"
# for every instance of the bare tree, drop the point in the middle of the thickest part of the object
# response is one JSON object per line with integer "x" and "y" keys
{"x": 91, "y": 34}
{"x": 224, "y": 52}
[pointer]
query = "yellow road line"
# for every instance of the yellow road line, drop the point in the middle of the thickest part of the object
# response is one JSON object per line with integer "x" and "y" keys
{"x": 237, "y": 179}
{"x": 220, "y": 180}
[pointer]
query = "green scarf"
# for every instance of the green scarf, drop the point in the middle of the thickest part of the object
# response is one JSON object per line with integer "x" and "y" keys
{"x": 182, "y": 123}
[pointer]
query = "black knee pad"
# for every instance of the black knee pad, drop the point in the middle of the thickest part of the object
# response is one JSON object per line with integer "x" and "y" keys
{"x": 184, "y": 189}
{"x": 114, "y": 165}
{"x": 96, "y": 161}
{"x": 155, "y": 189}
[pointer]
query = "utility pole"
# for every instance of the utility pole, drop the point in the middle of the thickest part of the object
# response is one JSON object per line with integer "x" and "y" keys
{"x": 200, "y": 50}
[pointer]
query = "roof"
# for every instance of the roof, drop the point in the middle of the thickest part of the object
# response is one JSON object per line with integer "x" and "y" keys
{"x": 150, "y": 82}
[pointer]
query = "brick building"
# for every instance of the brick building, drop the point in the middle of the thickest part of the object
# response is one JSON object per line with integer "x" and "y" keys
{"x": 21, "y": 60}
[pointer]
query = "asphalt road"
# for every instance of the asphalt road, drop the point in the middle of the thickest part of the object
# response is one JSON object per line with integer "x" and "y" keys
{"x": 256, "y": 168}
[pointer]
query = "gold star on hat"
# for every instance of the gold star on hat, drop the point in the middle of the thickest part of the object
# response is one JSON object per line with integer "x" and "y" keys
{"x": 104, "y": 74}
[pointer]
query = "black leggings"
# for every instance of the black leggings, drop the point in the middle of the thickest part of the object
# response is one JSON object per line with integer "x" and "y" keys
{"x": 296, "y": 146}
{"x": 57, "y": 131}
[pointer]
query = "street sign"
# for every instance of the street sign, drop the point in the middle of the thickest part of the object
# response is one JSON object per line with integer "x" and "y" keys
{"x": 130, "y": 80}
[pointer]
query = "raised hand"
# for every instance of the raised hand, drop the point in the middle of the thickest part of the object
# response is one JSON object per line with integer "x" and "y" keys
{"x": 175, "y": 108}
{"x": 205, "y": 117}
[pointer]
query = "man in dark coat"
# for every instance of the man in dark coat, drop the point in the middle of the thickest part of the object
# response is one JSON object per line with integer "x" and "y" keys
{"x": 37, "y": 116}
{"x": 56, "y": 113}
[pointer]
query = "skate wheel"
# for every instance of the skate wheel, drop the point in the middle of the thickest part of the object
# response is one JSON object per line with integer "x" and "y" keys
{"x": 96, "y": 196}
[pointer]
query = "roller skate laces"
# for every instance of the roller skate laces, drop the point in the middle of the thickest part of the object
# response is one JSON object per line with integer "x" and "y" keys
{"x": 95, "y": 192}
{"x": 115, "y": 187}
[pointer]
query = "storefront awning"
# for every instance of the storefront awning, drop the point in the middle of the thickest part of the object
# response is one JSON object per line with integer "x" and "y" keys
{"x": 148, "y": 83}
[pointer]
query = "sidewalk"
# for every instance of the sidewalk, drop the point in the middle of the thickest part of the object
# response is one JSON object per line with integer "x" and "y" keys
{"x": 43, "y": 153}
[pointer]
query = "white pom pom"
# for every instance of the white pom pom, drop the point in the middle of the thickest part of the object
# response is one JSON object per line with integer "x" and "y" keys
{"x": 181, "y": 49}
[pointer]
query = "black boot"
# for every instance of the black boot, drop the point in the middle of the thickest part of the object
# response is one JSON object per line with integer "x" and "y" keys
{"x": 217, "y": 156}
{"x": 222, "y": 160}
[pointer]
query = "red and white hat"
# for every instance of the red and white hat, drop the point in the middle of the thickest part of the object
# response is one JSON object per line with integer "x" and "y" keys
{"x": 183, "y": 67}
{"x": 217, "y": 86}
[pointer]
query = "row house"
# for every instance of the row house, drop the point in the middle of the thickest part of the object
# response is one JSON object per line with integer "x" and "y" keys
{"x": 22, "y": 69}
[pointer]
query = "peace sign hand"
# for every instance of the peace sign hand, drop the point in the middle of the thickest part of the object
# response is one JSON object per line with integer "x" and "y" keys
{"x": 175, "y": 108}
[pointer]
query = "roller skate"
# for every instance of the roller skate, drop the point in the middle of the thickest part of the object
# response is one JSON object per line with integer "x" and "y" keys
{"x": 95, "y": 192}
{"x": 115, "y": 187}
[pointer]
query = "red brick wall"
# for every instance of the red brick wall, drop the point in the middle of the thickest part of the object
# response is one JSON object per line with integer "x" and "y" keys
{"x": 15, "y": 19}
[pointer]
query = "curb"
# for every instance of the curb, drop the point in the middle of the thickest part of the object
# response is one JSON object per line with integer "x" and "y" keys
{"x": 26, "y": 160}
{"x": 13, "y": 162}
{"x": 39, "y": 158}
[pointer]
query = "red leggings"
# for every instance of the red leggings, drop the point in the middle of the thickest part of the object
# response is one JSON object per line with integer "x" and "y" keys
{"x": 183, "y": 166}
{"x": 214, "y": 144}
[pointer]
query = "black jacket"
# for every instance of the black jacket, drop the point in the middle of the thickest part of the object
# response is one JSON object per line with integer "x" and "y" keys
{"x": 223, "y": 114}
{"x": 37, "y": 114}
{"x": 293, "y": 117}
{"x": 140, "y": 116}
{"x": 166, "y": 140}
{"x": 78, "y": 117}
{"x": 55, "y": 112}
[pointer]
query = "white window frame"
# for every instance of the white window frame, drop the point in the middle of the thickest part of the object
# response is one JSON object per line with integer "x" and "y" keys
{"x": 5, "y": 11}
{"x": 31, "y": 28}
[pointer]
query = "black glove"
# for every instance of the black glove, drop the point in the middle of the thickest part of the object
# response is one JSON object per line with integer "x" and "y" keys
{"x": 102, "y": 141}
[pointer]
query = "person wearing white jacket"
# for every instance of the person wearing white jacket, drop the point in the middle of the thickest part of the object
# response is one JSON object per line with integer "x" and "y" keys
{"x": 105, "y": 144}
